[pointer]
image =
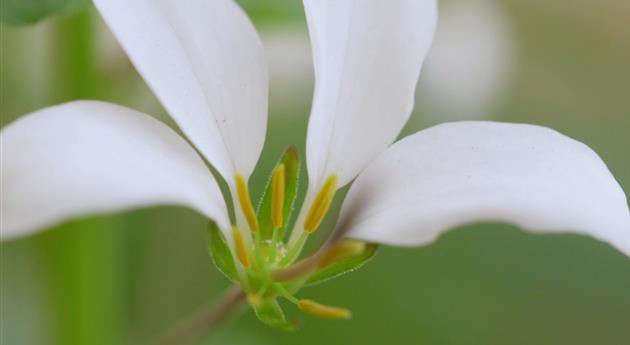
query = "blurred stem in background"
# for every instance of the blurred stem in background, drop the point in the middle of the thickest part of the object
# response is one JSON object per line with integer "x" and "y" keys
{"x": 75, "y": 75}
{"x": 83, "y": 258}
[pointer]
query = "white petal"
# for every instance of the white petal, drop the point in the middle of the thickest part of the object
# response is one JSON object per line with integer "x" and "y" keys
{"x": 367, "y": 56}
{"x": 86, "y": 157}
{"x": 464, "y": 172}
{"x": 205, "y": 62}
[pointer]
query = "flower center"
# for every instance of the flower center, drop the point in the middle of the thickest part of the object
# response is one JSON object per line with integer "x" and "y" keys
{"x": 265, "y": 265}
{"x": 265, "y": 252}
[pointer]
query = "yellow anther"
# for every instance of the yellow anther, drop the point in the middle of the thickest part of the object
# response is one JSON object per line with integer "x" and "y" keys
{"x": 323, "y": 311}
{"x": 321, "y": 204}
{"x": 278, "y": 181}
{"x": 241, "y": 250}
{"x": 343, "y": 250}
{"x": 246, "y": 203}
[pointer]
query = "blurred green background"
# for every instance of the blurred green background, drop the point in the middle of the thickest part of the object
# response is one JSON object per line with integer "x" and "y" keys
{"x": 121, "y": 279}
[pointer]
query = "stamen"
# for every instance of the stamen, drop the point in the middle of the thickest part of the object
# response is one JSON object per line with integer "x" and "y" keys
{"x": 323, "y": 311}
{"x": 344, "y": 250}
{"x": 321, "y": 204}
{"x": 241, "y": 250}
{"x": 246, "y": 203}
{"x": 278, "y": 181}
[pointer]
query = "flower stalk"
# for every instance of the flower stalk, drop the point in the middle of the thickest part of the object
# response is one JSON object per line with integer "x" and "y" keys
{"x": 204, "y": 322}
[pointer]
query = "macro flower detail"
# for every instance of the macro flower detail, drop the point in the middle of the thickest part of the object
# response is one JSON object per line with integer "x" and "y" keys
{"x": 205, "y": 63}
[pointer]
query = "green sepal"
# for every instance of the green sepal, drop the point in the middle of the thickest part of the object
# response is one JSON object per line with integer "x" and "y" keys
{"x": 221, "y": 253}
{"x": 291, "y": 162}
{"x": 342, "y": 267}
{"x": 20, "y": 12}
{"x": 268, "y": 310}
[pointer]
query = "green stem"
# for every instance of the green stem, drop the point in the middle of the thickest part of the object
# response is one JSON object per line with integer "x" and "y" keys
{"x": 83, "y": 260}
{"x": 84, "y": 257}
{"x": 75, "y": 74}
{"x": 205, "y": 321}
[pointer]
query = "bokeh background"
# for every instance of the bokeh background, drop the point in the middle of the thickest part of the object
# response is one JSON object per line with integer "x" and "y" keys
{"x": 121, "y": 279}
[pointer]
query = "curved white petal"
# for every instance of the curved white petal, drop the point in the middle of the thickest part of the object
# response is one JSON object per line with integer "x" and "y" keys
{"x": 205, "y": 62}
{"x": 464, "y": 172}
{"x": 89, "y": 157}
{"x": 367, "y": 56}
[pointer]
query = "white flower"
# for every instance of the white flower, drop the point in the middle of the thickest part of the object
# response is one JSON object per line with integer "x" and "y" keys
{"x": 204, "y": 61}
